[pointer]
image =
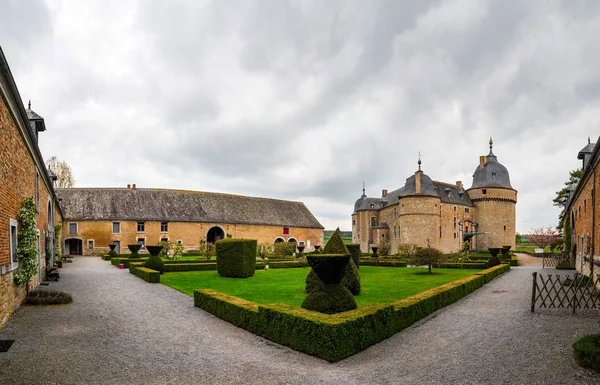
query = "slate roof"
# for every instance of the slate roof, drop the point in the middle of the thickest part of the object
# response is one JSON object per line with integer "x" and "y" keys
{"x": 492, "y": 174}
{"x": 448, "y": 193}
{"x": 32, "y": 115}
{"x": 144, "y": 204}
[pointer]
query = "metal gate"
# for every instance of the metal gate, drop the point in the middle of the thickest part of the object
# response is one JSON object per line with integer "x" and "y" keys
{"x": 562, "y": 260}
{"x": 572, "y": 291}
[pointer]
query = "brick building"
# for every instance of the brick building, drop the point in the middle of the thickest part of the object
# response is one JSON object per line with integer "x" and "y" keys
{"x": 22, "y": 175}
{"x": 583, "y": 214}
{"x": 425, "y": 212}
{"x": 97, "y": 217}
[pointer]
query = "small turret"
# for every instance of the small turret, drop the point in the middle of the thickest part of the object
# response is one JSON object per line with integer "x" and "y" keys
{"x": 36, "y": 122}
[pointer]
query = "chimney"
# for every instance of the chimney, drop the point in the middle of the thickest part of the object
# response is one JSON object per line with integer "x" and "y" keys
{"x": 418, "y": 182}
{"x": 459, "y": 184}
{"x": 383, "y": 193}
{"x": 133, "y": 186}
{"x": 128, "y": 186}
{"x": 482, "y": 161}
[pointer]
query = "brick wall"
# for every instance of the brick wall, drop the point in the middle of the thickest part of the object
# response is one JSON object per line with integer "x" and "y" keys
{"x": 419, "y": 221}
{"x": 190, "y": 233}
{"x": 17, "y": 182}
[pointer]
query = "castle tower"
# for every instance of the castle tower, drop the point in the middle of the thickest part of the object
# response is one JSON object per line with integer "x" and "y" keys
{"x": 496, "y": 201}
{"x": 364, "y": 218}
{"x": 419, "y": 213}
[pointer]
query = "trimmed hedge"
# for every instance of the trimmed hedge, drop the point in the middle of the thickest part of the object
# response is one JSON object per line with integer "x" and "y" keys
{"x": 383, "y": 263}
{"x": 280, "y": 265}
{"x": 354, "y": 250}
{"x": 236, "y": 257}
{"x": 125, "y": 261}
{"x": 587, "y": 351}
{"x": 333, "y": 337}
{"x": 148, "y": 275}
{"x": 493, "y": 272}
{"x": 174, "y": 267}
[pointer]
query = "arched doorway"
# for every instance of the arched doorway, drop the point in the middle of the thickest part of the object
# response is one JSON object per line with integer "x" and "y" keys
{"x": 215, "y": 234}
{"x": 278, "y": 240}
{"x": 73, "y": 246}
{"x": 292, "y": 240}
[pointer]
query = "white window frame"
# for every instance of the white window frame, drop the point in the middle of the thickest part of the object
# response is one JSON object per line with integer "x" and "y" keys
{"x": 76, "y": 228}
{"x": 167, "y": 226}
{"x": 88, "y": 244}
{"x": 14, "y": 263}
{"x": 113, "y": 227}
{"x": 137, "y": 226}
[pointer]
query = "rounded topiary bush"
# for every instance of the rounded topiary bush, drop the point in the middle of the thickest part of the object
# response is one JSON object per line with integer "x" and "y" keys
{"x": 328, "y": 295}
{"x": 155, "y": 262}
{"x": 330, "y": 299}
{"x": 587, "y": 351}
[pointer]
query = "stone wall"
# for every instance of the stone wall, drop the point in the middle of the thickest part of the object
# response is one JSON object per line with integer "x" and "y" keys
{"x": 495, "y": 215}
{"x": 419, "y": 221}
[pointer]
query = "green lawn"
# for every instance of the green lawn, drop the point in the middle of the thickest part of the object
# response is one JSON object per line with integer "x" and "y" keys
{"x": 379, "y": 284}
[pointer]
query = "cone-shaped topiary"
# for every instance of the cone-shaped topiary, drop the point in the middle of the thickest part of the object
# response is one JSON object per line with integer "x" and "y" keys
{"x": 354, "y": 249}
{"x": 134, "y": 250}
{"x": 330, "y": 296}
{"x": 335, "y": 244}
{"x": 351, "y": 279}
{"x": 155, "y": 262}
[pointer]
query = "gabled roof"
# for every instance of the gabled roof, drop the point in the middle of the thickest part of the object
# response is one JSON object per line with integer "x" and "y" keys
{"x": 144, "y": 204}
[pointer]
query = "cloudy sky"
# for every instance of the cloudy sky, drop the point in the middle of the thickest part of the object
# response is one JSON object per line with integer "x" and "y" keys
{"x": 305, "y": 100}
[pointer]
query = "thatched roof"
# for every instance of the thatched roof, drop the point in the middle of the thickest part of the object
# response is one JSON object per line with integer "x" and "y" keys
{"x": 141, "y": 204}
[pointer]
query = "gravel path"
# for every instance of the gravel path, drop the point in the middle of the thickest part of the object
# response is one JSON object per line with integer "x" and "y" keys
{"x": 121, "y": 330}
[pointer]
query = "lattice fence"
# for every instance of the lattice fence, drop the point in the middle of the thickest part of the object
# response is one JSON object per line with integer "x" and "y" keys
{"x": 558, "y": 260}
{"x": 573, "y": 291}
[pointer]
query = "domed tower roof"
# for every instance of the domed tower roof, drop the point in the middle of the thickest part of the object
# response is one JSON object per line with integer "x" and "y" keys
{"x": 365, "y": 203}
{"x": 492, "y": 173}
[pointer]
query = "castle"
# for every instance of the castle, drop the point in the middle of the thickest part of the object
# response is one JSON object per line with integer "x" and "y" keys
{"x": 429, "y": 213}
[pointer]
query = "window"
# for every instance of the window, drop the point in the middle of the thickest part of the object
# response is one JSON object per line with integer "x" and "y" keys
{"x": 73, "y": 228}
{"x": 13, "y": 241}
{"x": 164, "y": 239}
{"x": 141, "y": 227}
{"x": 455, "y": 222}
{"x": 90, "y": 243}
{"x": 179, "y": 241}
{"x": 440, "y": 231}
{"x": 142, "y": 241}
{"x": 116, "y": 228}
{"x": 353, "y": 222}
{"x": 164, "y": 227}
{"x": 286, "y": 230}
{"x": 454, "y": 235}
{"x": 504, "y": 227}
{"x": 466, "y": 209}
{"x": 584, "y": 206}
{"x": 373, "y": 222}
{"x": 382, "y": 235}
{"x": 484, "y": 191}
{"x": 395, "y": 236}
{"x": 455, "y": 208}
{"x": 301, "y": 243}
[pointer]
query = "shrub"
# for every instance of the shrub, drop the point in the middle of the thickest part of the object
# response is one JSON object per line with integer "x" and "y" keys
{"x": 264, "y": 250}
{"x": 587, "y": 351}
{"x": 148, "y": 275}
{"x": 354, "y": 249}
{"x": 329, "y": 295}
{"x": 335, "y": 244}
{"x": 171, "y": 250}
{"x": 384, "y": 247}
{"x": 407, "y": 249}
{"x": 283, "y": 249}
{"x": 52, "y": 297}
{"x": 154, "y": 262}
{"x": 112, "y": 253}
{"x": 236, "y": 257}
{"x": 189, "y": 267}
{"x": 427, "y": 256}
{"x": 493, "y": 261}
{"x": 134, "y": 250}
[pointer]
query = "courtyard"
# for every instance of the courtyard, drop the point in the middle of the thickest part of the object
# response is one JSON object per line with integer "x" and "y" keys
{"x": 122, "y": 330}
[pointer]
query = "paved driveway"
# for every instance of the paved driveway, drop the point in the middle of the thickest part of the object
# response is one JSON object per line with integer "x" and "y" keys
{"x": 121, "y": 330}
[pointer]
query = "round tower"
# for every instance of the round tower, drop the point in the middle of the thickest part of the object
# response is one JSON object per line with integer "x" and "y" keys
{"x": 495, "y": 202}
{"x": 419, "y": 213}
{"x": 364, "y": 218}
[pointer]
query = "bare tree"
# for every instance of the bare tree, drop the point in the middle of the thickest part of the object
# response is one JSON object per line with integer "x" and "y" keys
{"x": 63, "y": 172}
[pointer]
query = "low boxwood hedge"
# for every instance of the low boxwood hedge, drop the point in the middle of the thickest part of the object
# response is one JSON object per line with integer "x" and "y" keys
{"x": 148, "y": 275}
{"x": 385, "y": 263}
{"x": 279, "y": 265}
{"x": 236, "y": 257}
{"x": 493, "y": 272}
{"x": 125, "y": 261}
{"x": 334, "y": 337}
{"x": 173, "y": 267}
